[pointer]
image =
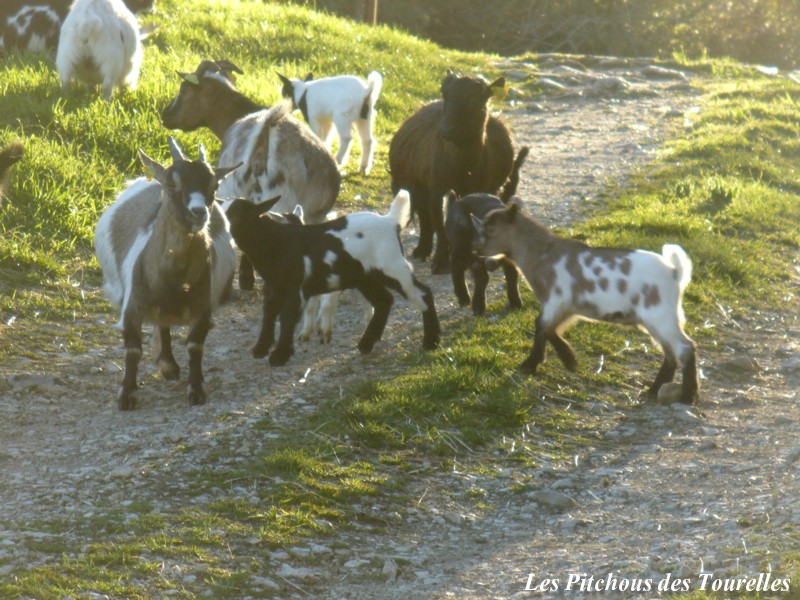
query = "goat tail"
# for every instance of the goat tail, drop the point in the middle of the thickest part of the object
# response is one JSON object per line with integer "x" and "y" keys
{"x": 400, "y": 212}
{"x": 374, "y": 85}
{"x": 375, "y": 81}
{"x": 680, "y": 261}
{"x": 510, "y": 187}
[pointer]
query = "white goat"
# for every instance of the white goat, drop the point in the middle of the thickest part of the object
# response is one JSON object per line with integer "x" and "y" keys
{"x": 574, "y": 281}
{"x": 341, "y": 101}
{"x": 168, "y": 259}
{"x": 100, "y": 44}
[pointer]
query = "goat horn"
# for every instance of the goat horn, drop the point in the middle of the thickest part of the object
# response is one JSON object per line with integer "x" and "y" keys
{"x": 175, "y": 150}
{"x": 190, "y": 77}
{"x": 226, "y": 65}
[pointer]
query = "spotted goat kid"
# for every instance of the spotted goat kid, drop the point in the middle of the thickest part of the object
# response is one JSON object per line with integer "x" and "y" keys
{"x": 576, "y": 282}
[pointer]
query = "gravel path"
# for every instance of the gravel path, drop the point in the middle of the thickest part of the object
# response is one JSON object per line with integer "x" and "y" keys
{"x": 663, "y": 490}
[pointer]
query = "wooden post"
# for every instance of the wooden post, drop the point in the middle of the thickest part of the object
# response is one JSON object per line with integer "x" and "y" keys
{"x": 371, "y": 12}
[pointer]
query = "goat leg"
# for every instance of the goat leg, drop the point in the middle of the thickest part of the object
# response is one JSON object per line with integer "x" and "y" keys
{"x": 381, "y": 300}
{"x": 537, "y": 355}
{"x": 691, "y": 385}
{"x": 196, "y": 392}
{"x": 290, "y": 314}
{"x": 564, "y": 351}
{"x": 167, "y": 365}
{"x": 481, "y": 277}
{"x": 430, "y": 320}
{"x": 457, "y": 273}
{"x": 271, "y": 308}
{"x": 512, "y": 282}
{"x": 132, "y": 337}
{"x": 665, "y": 374}
{"x": 247, "y": 279}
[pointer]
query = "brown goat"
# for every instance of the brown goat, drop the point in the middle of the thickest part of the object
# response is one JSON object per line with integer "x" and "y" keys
{"x": 450, "y": 144}
{"x": 8, "y": 157}
{"x": 280, "y": 156}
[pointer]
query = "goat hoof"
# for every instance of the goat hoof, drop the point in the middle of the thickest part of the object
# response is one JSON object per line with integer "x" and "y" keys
{"x": 169, "y": 370}
{"x": 440, "y": 269}
{"x": 478, "y": 311}
{"x": 278, "y": 359}
{"x": 126, "y": 400}
{"x": 528, "y": 367}
{"x": 260, "y": 350}
{"x": 196, "y": 397}
{"x": 430, "y": 343}
{"x": 365, "y": 347}
{"x": 420, "y": 253}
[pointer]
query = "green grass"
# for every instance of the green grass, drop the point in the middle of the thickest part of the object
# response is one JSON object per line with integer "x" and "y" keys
{"x": 726, "y": 189}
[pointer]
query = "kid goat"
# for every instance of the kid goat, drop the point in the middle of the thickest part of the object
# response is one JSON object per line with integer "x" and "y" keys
{"x": 574, "y": 281}
{"x": 100, "y": 43}
{"x": 360, "y": 250}
{"x": 168, "y": 259}
{"x": 341, "y": 101}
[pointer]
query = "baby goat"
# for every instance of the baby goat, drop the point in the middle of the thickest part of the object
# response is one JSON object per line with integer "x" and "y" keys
{"x": 360, "y": 251}
{"x": 100, "y": 44}
{"x": 168, "y": 259}
{"x": 339, "y": 101}
{"x": 574, "y": 281}
{"x": 459, "y": 229}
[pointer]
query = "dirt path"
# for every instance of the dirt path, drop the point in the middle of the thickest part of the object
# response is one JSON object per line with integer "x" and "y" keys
{"x": 663, "y": 490}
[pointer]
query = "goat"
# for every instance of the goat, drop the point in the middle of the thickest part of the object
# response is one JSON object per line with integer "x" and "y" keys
{"x": 459, "y": 229}
{"x": 9, "y": 155}
{"x": 574, "y": 281}
{"x": 360, "y": 251}
{"x": 100, "y": 43}
{"x": 341, "y": 101}
{"x": 280, "y": 155}
{"x": 450, "y": 144}
{"x": 168, "y": 259}
{"x": 35, "y": 25}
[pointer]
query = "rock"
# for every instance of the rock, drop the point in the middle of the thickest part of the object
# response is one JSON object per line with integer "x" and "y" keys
{"x": 356, "y": 563}
{"x": 656, "y": 72}
{"x": 553, "y": 499}
{"x": 741, "y": 365}
{"x": 669, "y": 393}
{"x": 389, "y": 571}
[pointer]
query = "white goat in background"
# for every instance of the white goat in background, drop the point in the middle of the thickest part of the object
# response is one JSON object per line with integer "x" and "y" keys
{"x": 100, "y": 43}
{"x": 341, "y": 101}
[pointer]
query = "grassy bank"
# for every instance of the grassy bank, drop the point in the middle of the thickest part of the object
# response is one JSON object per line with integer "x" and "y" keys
{"x": 726, "y": 189}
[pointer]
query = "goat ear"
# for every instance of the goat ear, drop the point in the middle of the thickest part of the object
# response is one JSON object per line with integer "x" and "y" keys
{"x": 267, "y": 205}
{"x": 222, "y": 172}
{"x": 190, "y": 77}
{"x": 498, "y": 88}
{"x": 298, "y": 212}
{"x": 285, "y": 80}
{"x": 156, "y": 169}
{"x": 309, "y": 77}
{"x": 227, "y": 66}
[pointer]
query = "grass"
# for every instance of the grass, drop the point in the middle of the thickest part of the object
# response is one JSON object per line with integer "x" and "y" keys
{"x": 726, "y": 189}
